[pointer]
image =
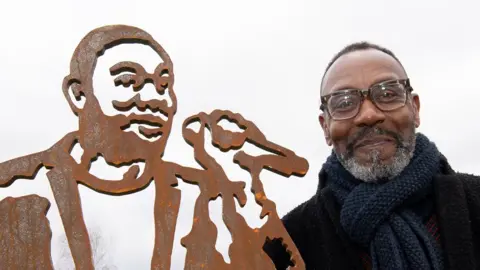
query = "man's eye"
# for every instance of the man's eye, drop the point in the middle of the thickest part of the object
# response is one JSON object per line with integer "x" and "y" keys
{"x": 388, "y": 95}
{"x": 344, "y": 103}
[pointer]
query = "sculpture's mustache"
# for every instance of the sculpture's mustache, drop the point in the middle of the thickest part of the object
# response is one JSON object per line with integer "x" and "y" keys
{"x": 157, "y": 107}
{"x": 135, "y": 102}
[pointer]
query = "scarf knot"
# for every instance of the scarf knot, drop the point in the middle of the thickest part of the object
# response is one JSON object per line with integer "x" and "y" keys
{"x": 382, "y": 218}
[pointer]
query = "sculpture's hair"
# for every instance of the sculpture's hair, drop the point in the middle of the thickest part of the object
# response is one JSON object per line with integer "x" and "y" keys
{"x": 94, "y": 44}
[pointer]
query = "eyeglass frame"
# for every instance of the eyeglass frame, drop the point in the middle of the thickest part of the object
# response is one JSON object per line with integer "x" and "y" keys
{"x": 366, "y": 93}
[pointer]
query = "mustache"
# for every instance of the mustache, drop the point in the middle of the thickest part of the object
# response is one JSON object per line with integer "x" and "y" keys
{"x": 366, "y": 132}
{"x": 136, "y": 102}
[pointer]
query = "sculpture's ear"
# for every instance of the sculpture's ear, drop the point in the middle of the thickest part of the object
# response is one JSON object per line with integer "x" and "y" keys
{"x": 72, "y": 89}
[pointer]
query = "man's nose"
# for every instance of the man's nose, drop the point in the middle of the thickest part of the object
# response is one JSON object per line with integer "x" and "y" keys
{"x": 369, "y": 114}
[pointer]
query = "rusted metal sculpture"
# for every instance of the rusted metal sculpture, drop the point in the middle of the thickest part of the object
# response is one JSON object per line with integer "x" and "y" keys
{"x": 25, "y": 233}
{"x": 106, "y": 136}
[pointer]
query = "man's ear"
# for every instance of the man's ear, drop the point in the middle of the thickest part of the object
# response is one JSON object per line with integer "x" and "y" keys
{"x": 416, "y": 109}
{"x": 326, "y": 130}
{"x": 72, "y": 89}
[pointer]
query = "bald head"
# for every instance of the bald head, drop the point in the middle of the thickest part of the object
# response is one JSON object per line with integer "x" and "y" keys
{"x": 361, "y": 69}
{"x": 356, "y": 48}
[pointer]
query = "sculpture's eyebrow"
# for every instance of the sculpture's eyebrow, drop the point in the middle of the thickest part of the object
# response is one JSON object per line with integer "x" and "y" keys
{"x": 127, "y": 66}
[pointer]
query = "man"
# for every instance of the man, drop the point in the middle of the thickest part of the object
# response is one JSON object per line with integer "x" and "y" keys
{"x": 387, "y": 198}
{"x": 118, "y": 124}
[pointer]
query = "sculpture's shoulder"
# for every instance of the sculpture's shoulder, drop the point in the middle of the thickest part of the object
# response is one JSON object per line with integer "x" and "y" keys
{"x": 67, "y": 141}
{"x": 61, "y": 149}
{"x": 27, "y": 166}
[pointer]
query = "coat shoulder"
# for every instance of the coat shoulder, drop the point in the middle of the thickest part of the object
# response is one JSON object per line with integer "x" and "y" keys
{"x": 471, "y": 182}
{"x": 471, "y": 187}
{"x": 458, "y": 185}
{"x": 306, "y": 225}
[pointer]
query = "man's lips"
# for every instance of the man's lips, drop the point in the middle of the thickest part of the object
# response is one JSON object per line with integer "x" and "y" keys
{"x": 376, "y": 141}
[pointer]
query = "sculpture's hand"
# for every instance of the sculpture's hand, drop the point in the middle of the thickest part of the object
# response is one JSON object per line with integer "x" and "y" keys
{"x": 281, "y": 160}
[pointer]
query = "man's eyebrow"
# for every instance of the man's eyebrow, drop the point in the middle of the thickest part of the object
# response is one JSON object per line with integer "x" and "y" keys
{"x": 378, "y": 81}
{"x": 383, "y": 80}
{"x": 127, "y": 66}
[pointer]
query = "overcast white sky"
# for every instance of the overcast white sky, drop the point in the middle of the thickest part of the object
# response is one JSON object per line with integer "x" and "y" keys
{"x": 263, "y": 59}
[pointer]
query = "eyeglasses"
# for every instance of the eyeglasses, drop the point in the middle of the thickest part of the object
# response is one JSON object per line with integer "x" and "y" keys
{"x": 386, "y": 96}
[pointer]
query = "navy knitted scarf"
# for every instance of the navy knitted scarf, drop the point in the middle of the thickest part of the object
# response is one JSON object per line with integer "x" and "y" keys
{"x": 383, "y": 219}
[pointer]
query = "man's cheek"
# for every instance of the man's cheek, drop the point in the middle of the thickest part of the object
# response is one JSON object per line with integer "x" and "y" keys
{"x": 339, "y": 135}
{"x": 340, "y": 147}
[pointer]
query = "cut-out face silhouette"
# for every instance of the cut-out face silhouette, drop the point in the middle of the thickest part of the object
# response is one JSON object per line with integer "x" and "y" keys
{"x": 125, "y": 108}
{"x": 136, "y": 88}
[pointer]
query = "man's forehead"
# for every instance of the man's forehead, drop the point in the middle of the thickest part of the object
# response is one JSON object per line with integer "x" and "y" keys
{"x": 361, "y": 67}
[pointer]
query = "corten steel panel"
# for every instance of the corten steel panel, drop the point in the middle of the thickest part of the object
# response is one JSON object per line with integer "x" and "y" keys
{"x": 25, "y": 234}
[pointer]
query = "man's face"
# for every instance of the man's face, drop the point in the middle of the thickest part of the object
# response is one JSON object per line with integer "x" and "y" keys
{"x": 374, "y": 144}
{"x": 133, "y": 93}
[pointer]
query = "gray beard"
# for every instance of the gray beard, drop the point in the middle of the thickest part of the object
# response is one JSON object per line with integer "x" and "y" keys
{"x": 378, "y": 171}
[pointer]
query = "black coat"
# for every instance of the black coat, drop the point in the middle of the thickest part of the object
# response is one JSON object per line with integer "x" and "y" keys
{"x": 315, "y": 227}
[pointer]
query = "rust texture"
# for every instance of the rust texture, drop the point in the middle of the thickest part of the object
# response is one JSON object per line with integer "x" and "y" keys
{"x": 25, "y": 233}
{"x": 107, "y": 136}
